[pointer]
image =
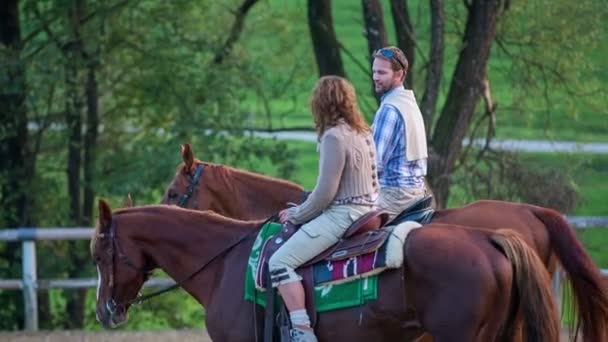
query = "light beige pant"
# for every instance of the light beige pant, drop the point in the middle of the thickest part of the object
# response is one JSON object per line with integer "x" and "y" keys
{"x": 311, "y": 239}
{"x": 394, "y": 200}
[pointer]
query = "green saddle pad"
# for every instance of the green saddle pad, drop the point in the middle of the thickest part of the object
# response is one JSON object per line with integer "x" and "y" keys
{"x": 327, "y": 297}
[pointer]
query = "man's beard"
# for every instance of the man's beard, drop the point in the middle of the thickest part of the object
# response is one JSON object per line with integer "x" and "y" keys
{"x": 382, "y": 90}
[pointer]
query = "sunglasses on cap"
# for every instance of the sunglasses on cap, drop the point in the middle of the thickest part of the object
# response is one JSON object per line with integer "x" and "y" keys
{"x": 390, "y": 54}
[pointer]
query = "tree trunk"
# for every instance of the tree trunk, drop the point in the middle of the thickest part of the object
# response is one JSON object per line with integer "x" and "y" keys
{"x": 235, "y": 32}
{"x": 406, "y": 38}
{"x": 465, "y": 88}
{"x": 90, "y": 144}
{"x": 74, "y": 53}
{"x": 13, "y": 114}
{"x": 374, "y": 30}
{"x": 14, "y": 172}
{"x": 73, "y": 109}
{"x": 325, "y": 44}
{"x": 434, "y": 69}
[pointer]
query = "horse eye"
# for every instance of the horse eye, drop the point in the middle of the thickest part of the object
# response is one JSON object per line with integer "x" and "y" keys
{"x": 172, "y": 195}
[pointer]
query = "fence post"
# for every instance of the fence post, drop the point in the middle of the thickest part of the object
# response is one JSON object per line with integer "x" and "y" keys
{"x": 556, "y": 284}
{"x": 29, "y": 285}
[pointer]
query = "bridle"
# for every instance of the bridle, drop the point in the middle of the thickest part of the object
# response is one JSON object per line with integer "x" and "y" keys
{"x": 194, "y": 180}
{"x": 115, "y": 251}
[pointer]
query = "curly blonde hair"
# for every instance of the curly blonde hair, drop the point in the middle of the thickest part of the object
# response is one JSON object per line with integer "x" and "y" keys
{"x": 334, "y": 98}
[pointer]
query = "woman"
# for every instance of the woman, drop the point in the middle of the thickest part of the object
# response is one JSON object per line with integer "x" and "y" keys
{"x": 346, "y": 189}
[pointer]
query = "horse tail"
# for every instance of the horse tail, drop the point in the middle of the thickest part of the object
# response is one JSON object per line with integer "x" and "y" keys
{"x": 532, "y": 282}
{"x": 590, "y": 293}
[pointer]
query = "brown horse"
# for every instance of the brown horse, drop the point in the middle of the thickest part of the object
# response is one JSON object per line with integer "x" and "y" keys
{"x": 456, "y": 283}
{"x": 245, "y": 195}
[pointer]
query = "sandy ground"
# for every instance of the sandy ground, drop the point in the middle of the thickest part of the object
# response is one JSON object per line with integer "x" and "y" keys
{"x": 148, "y": 336}
{"x": 78, "y": 336}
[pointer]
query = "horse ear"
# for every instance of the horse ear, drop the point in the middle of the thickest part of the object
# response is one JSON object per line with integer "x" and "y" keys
{"x": 128, "y": 202}
{"x": 187, "y": 156}
{"x": 105, "y": 215}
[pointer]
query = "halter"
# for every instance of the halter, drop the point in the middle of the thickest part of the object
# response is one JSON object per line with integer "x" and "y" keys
{"x": 116, "y": 251}
{"x": 192, "y": 186}
{"x": 111, "y": 304}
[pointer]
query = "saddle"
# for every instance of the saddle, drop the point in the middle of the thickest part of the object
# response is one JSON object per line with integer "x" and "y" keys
{"x": 420, "y": 211}
{"x": 363, "y": 236}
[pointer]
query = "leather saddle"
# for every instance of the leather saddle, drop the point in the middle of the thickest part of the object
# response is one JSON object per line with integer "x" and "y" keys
{"x": 363, "y": 236}
{"x": 420, "y": 211}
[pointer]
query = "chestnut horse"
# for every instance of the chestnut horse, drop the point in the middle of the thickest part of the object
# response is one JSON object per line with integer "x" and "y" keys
{"x": 458, "y": 284}
{"x": 245, "y": 195}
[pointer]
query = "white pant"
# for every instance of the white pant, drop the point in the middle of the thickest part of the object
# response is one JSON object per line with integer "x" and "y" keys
{"x": 312, "y": 239}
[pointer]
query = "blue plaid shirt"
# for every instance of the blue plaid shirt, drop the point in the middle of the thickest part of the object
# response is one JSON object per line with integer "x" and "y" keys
{"x": 394, "y": 170}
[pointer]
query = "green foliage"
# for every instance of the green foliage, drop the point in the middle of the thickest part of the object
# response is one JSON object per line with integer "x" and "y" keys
{"x": 174, "y": 310}
{"x": 548, "y": 63}
{"x": 507, "y": 176}
{"x": 545, "y": 70}
{"x": 158, "y": 87}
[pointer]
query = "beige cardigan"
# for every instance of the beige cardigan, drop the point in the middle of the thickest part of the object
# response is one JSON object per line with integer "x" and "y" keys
{"x": 347, "y": 168}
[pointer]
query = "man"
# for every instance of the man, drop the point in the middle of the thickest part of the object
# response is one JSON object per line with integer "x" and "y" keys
{"x": 399, "y": 134}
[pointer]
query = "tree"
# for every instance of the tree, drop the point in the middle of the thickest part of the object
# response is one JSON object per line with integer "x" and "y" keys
{"x": 375, "y": 31}
{"x": 13, "y": 129}
{"x": 235, "y": 32}
{"x": 15, "y": 176}
{"x": 325, "y": 44}
{"x": 406, "y": 38}
{"x": 466, "y": 86}
{"x": 434, "y": 69}
{"x": 150, "y": 86}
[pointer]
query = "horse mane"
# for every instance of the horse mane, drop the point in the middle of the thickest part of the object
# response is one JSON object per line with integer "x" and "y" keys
{"x": 194, "y": 216}
{"x": 198, "y": 215}
{"x": 119, "y": 211}
{"x": 229, "y": 172}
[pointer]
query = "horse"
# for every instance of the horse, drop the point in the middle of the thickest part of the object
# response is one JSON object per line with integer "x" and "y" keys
{"x": 245, "y": 195}
{"x": 456, "y": 283}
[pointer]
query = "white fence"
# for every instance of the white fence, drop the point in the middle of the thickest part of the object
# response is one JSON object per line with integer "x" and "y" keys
{"x": 29, "y": 283}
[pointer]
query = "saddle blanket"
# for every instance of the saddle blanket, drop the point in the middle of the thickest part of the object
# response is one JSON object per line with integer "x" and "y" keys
{"x": 341, "y": 283}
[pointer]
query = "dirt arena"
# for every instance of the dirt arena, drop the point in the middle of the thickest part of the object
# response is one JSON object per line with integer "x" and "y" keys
{"x": 78, "y": 336}
{"x": 149, "y": 336}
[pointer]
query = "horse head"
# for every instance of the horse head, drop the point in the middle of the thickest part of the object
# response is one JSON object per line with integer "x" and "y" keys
{"x": 188, "y": 189}
{"x": 122, "y": 269}
{"x": 228, "y": 191}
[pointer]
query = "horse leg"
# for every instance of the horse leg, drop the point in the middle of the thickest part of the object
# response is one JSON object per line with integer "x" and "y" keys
{"x": 447, "y": 319}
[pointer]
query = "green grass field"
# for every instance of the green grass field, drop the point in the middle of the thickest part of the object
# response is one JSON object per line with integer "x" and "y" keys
{"x": 521, "y": 114}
